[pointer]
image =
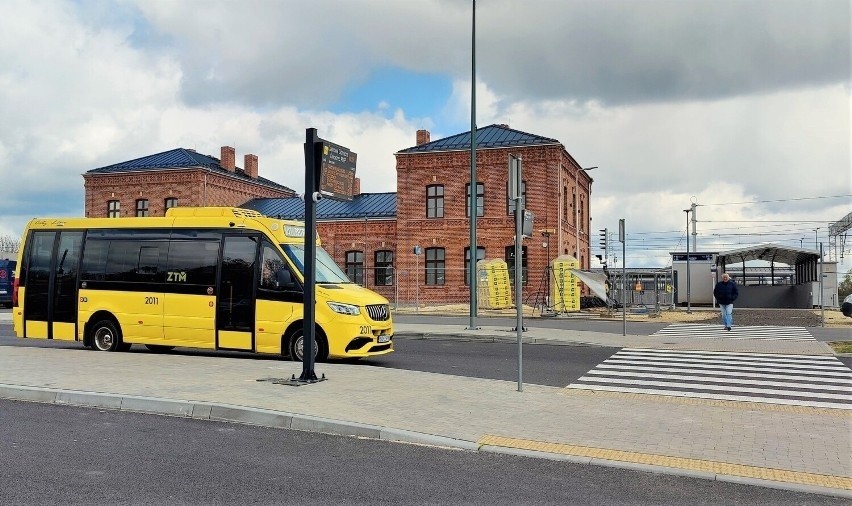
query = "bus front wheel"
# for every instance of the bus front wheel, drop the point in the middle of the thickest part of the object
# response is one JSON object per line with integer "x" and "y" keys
{"x": 106, "y": 336}
{"x": 297, "y": 347}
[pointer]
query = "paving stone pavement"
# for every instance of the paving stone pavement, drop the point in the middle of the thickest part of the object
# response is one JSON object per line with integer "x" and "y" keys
{"x": 811, "y": 445}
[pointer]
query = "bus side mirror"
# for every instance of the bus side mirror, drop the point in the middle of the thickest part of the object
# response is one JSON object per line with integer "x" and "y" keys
{"x": 284, "y": 279}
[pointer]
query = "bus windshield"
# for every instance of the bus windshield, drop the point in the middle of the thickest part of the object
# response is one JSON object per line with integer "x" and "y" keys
{"x": 327, "y": 270}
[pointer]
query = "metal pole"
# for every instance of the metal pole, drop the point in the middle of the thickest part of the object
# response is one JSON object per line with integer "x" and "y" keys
{"x": 518, "y": 288}
{"x": 472, "y": 311}
{"x": 417, "y": 282}
{"x": 821, "y": 304}
{"x": 688, "y": 305}
{"x": 694, "y": 231}
{"x": 622, "y": 235}
{"x": 309, "y": 316}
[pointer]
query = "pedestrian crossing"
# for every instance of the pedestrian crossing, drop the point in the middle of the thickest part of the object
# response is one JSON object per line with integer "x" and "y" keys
{"x": 717, "y": 331}
{"x": 801, "y": 380}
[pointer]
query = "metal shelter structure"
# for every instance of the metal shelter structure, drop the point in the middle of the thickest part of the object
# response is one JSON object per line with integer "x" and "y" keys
{"x": 790, "y": 285}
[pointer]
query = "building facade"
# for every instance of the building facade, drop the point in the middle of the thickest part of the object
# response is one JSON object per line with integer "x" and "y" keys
{"x": 148, "y": 186}
{"x": 413, "y": 246}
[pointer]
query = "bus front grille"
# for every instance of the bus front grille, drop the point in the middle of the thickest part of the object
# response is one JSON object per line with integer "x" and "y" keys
{"x": 378, "y": 312}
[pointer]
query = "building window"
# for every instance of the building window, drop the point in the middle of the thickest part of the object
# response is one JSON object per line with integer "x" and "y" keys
{"x": 169, "y": 203}
{"x": 435, "y": 201}
{"x": 510, "y": 263}
{"x": 384, "y": 268}
{"x": 510, "y": 202}
{"x": 142, "y": 207}
{"x": 355, "y": 266}
{"x": 435, "y": 266}
{"x": 480, "y": 255}
{"x": 113, "y": 209}
{"x": 480, "y": 200}
{"x": 580, "y": 211}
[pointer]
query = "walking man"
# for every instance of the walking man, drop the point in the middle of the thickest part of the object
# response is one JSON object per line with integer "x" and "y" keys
{"x": 726, "y": 293}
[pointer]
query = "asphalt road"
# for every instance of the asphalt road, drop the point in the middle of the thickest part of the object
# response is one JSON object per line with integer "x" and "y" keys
{"x": 69, "y": 455}
{"x": 542, "y": 364}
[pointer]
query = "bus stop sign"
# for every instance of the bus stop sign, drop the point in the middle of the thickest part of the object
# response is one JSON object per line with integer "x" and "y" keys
{"x": 337, "y": 171}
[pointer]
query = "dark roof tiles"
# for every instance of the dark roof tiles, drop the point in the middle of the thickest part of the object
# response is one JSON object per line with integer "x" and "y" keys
{"x": 492, "y": 136}
{"x": 365, "y": 205}
{"x": 179, "y": 158}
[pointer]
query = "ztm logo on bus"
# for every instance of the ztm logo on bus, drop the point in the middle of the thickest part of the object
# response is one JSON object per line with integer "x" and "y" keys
{"x": 3, "y": 274}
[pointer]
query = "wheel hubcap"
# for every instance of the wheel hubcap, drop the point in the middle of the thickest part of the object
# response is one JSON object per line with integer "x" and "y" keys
{"x": 103, "y": 339}
{"x": 300, "y": 348}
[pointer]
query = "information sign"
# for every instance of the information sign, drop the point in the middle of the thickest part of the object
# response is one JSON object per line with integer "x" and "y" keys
{"x": 337, "y": 171}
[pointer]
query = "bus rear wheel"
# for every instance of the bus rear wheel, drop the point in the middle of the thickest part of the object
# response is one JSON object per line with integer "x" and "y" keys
{"x": 106, "y": 336}
{"x": 297, "y": 347}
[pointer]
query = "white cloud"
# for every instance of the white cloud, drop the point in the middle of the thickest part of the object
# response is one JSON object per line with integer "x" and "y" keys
{"x": 87, "y": 84}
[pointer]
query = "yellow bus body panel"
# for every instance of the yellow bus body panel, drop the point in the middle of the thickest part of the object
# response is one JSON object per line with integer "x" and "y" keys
{"x": 189, "y": 320}
{"x": 235, "y": 340}
{"x": 64, "y": 331}
{"x": 139, "y": 314}
{"x": 36, "y": 329}
{"x": 271, "y": 320}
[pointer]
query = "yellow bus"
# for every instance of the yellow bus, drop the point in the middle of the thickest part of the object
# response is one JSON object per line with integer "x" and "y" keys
{"x": 216, "y": 278}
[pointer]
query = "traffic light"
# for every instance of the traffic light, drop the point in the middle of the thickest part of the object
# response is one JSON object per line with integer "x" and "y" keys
{"x": 604, "y": 244}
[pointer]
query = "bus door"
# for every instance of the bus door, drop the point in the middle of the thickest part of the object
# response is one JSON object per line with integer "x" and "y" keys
{"x": 235, "y": 302}
{"x": 50, "y": 295}
{"x": 189, "y": 312}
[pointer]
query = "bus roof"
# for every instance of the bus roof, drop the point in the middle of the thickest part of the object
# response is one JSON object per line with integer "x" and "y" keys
{"x": 284, "y": 231}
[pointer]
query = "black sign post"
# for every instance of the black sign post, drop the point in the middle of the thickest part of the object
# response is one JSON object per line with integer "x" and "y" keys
{"x": 312, "y": 177}
{"x": 329, "y": 172}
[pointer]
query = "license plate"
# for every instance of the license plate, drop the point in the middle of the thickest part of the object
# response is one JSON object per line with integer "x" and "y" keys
{"x": 384, "y": 338}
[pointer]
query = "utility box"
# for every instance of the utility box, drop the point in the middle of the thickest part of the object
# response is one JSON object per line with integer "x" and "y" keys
{"x": 702, "y": 279}
{"x": 829, "y": 286}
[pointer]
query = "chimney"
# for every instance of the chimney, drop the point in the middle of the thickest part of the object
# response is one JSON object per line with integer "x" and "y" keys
{"x": 228, "y": 158}
{"x": 250, "y": 166}
{"x": 423, "y": 137}
{"x": 357, "y": 189}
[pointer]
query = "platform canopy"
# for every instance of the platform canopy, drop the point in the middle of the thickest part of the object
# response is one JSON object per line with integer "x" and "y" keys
{"x": 768, "y": 252}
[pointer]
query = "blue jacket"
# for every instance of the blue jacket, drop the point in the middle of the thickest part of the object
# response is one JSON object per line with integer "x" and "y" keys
{"x": 726, "y": 293}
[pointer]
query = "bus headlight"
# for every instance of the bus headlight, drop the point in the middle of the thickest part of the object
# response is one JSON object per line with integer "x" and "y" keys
{"x": 347, "y": 309}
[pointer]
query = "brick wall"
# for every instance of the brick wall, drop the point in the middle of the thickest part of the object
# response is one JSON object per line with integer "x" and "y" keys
{"x": 192, "y": 187}
{"x": 549, "y": 172}
{"x": 367, "y": 236}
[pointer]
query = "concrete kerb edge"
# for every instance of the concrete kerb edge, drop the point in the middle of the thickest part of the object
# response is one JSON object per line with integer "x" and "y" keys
{"x": 278, "y": 419}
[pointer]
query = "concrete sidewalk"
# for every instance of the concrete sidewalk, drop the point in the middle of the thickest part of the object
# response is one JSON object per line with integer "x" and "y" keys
{"x": 540, "y": 335}
{"x": 790, "y": 447}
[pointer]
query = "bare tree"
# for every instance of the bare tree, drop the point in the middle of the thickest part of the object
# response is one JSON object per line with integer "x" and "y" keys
{"x": 9, "y": 244}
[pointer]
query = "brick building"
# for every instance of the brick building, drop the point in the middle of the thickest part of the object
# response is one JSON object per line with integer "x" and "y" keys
{"x": 374, "y": 236}
{"x": 148, "y": 186}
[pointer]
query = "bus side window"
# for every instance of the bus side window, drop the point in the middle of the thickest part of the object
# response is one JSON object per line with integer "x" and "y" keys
{"x": 274, "y": 273}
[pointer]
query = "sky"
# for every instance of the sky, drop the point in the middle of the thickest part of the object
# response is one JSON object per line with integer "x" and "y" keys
{"x": 741, "y": 106}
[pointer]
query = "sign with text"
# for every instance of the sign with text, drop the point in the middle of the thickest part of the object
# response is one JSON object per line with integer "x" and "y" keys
{"x": 337, "y": 172}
